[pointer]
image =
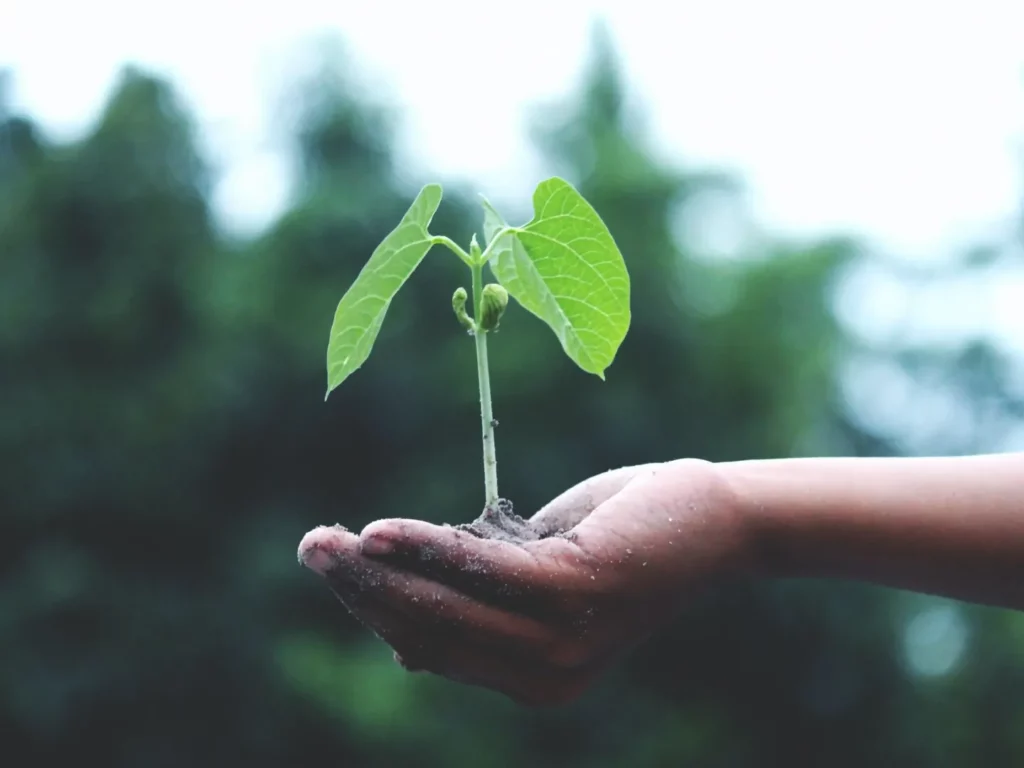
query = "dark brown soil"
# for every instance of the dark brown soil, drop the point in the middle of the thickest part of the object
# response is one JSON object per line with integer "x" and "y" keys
{"x": 499, "y": 521}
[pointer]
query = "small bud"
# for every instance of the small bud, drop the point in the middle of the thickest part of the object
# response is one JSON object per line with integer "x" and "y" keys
{"x": 459, "y": 305}
{"x": 493, "y": 303}
{"x": 474, "y": 249}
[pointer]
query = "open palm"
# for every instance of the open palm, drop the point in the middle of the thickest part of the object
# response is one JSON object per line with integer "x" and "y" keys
{"x": 540, "y": 620}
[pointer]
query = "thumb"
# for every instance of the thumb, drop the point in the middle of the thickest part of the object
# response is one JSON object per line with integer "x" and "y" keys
{"x": 631, "y": 520}
{"x": 567, "y": 510}
{"x": 662, "y": 511}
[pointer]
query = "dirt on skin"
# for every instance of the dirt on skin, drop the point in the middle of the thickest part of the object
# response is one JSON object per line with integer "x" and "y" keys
{"x": 498, "y": 521}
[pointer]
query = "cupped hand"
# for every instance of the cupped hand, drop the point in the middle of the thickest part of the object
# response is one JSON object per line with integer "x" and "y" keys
{"x": 539, "y": 621}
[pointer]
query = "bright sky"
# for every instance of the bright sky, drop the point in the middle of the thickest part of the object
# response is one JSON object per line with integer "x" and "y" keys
{"x": 901, "y": 120}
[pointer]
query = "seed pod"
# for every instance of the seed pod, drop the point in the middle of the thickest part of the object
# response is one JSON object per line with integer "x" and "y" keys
{"x": 493, "y": 303}
{"x": 459, "y": 306}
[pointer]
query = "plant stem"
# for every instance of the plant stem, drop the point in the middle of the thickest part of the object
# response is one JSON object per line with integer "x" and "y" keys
{"x": 485, "y": 257}
{"x": 486, "y": 413}
{"x": 454, "y": 247}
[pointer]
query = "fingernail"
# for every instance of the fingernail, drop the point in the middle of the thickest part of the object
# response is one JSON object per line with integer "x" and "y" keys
{"x": 318, "y": 549}
{"x": 376, "y": 546}
{"x": 318, "y": 561}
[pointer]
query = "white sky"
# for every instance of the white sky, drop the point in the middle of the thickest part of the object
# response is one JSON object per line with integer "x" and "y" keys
{"x": 902, "y": 121}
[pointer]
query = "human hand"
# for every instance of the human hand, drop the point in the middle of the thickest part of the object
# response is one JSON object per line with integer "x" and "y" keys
{"x": 540, "y": 621}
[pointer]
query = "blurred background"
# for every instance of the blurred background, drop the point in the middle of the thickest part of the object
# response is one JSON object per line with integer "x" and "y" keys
{"x": 820, "y": 211}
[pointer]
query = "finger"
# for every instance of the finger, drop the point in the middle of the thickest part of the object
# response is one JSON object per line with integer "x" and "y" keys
{"x": 524, "y": 680}
{"x": 527, "y": 579}
{"x": 321, "y": 550}
{"x": 333, "y": 553}
{"x": 427, "y": 605}
{"x": 323, "y": 546}
{"x": 410, "y": 641}
{"x": 567, "y": 510}
{"x": 424, "y": 640}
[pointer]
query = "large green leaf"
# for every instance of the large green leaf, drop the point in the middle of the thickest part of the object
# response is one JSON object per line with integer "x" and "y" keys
{"x": 361, "y": 310}
{"x": 565, "y": 268}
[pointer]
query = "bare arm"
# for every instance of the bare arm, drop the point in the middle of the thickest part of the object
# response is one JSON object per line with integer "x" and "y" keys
{"x": 946, "y": 526}
{"x": 540, "y": 620}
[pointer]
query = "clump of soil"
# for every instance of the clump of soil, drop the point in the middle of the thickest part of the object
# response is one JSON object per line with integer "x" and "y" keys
{"x": 499, "y": 521}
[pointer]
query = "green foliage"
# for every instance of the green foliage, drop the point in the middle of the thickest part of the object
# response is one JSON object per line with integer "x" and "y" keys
{"x": 565, "y": 268}
{"x": 361, "y": 310}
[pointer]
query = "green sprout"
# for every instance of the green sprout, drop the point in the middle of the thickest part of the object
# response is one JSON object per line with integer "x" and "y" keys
{"x": 563, "y": 266}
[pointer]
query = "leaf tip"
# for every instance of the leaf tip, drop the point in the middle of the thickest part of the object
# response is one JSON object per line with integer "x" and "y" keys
{"x": 334, "y": 380}
{"x": 486, "y": 204}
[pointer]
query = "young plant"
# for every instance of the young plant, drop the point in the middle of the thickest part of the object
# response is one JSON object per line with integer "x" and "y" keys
{"x": 562, "y": 266}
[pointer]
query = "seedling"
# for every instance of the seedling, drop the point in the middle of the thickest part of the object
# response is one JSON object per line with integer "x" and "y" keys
{"x": 563, "y": 266}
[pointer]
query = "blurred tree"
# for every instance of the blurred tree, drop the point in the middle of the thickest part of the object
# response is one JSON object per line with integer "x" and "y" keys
{"x": 123, "y": 640}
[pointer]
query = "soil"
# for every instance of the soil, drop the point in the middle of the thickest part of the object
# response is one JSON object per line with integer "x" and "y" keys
{"x": 498, "y": 521}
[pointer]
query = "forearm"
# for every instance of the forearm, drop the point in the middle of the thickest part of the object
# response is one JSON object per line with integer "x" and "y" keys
{"x": 947, "y": 526}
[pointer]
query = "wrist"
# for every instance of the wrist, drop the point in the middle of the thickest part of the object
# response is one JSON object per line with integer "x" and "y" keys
{"x": 764, "y": 531}
{"x": 730, "y": 517}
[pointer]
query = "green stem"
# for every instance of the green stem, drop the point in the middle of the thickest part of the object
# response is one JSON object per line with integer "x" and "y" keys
{"x": 486, "y": 256}
{"x": 452, "y": 246}
{"x": 486, "y": 413}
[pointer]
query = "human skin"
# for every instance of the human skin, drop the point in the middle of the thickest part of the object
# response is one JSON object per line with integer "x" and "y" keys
{"x": 540, "y": 621}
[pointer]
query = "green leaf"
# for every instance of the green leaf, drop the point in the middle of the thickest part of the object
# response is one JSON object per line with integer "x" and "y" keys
{"x": 361, "y": 310}
{"x": 565, "y": 268}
